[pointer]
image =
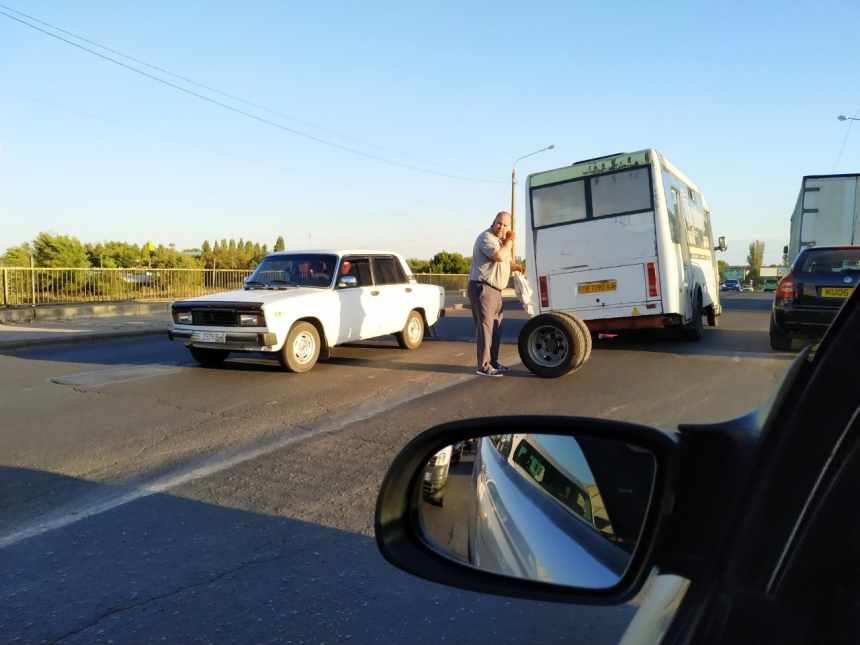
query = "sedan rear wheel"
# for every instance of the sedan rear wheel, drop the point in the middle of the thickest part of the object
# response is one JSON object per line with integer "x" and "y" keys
{"x": 778, "y": 341}
{"x": 301, "y": 349}
{"x": 413, "y": 332}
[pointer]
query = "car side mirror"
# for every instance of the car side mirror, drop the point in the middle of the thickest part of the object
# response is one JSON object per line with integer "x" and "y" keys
{"x": 722, "y": 245}
{"x": 558, "y": 508}
{"x": 347, "y": 282}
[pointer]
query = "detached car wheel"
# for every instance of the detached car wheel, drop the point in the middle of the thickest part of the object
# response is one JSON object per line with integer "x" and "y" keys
{"x": 413, "y": 332}
{"x": 301, "y": 349}
{"x": 208, "y": 357}
{"x": 551, "y": 345}
{"x": 778, "y": 341}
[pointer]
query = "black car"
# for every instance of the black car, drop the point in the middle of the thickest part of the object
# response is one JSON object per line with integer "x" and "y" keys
{"x": 809, "y": 296}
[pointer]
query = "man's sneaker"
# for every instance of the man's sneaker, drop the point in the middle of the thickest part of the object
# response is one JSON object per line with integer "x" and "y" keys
{"x": 490, "y": 372}
{"x": 502, "y": 368}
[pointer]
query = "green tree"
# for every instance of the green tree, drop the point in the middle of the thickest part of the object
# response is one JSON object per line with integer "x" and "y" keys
{"x": 167, "y": 258}
{"x": 206, "y": 248}
{"x": 418, "y": 266}
{"x": 59, "y": 251}
{"x": 755, "y": 258}
{"x": 17, "y": 256}
{"x": 279, "y": 244}
{"x": 722, "y": 267}
{"x": 445, "y": 262}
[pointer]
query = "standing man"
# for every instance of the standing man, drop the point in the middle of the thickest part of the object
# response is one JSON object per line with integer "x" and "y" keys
{"x": 491, "y": 269}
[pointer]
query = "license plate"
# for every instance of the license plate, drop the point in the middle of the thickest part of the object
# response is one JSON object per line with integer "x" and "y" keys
{"x": 209, "y": 336}
{"x": 836, "y": 292}
{"x": 428, "y": 477}
{"x": 597, "y": 287}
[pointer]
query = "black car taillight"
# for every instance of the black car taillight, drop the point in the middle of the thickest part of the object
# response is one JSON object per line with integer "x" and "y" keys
{"x": 785, "y": 287}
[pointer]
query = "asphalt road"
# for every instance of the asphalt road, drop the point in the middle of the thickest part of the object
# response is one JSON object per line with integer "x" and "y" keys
{"x": 146, "y": 499}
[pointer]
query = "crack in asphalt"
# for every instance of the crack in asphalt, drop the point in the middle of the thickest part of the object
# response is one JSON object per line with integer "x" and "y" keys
{"x": 179, "y": 590}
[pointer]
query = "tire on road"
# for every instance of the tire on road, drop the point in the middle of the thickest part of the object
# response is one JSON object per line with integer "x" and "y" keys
{"x": 713, "y": 318}
{"x": 301, "y": 349}
{"x": 551, "y": 345}
{"x": 778, "y": 341}
{"x": 413, "y": 332}
{"x": 586, "y": 337}
{"x": 208, "y": 357}
{"x": 696, "y": 327}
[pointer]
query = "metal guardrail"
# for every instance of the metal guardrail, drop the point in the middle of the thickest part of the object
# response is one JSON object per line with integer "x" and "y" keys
{"x": 448, "y": 281}
{"x": 25, "y": 287}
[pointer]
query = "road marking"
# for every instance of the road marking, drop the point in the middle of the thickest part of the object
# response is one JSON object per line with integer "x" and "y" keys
{"x": 116, "y": 375}
{"x": 101, "y": 503}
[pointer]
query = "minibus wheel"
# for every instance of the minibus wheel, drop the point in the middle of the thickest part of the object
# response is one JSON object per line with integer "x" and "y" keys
{"x": 713, "y": 318}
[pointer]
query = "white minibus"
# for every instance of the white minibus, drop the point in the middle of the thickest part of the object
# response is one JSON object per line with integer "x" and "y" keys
{"x": 615, "y": 243}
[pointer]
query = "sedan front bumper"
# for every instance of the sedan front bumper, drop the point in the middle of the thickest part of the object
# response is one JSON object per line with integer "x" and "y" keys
{"x": 235, "y": 340}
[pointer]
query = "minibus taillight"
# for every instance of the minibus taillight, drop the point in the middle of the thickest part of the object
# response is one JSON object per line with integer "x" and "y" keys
{"x": 785, "y": 287}
{"x": 653, "y": 290}
{"x": 544, "y": 293}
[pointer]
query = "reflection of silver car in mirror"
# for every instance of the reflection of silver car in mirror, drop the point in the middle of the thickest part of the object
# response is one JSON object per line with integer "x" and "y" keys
{"x": 540, "y": 513}
{"x": 436, "y": 476}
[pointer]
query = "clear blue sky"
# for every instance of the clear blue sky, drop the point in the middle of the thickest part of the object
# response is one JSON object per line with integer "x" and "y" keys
{"x": 741, "y": 96}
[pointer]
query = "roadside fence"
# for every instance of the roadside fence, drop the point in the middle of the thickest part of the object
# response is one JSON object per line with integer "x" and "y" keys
{"x": 26, "y": 287}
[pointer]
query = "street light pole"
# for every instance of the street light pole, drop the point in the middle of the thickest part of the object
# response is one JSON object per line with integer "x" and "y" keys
{"x": 846, "y": 118}
{"x": 514, "y": 195}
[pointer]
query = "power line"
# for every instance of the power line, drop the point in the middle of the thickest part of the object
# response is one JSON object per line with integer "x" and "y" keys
{"x": 363, "y": 187}
{"x": 242, "y": 112}
{"x": 236, "y": 98}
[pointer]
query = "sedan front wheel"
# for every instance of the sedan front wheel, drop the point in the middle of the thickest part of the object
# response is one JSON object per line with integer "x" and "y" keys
{"x": 301, "y": 349}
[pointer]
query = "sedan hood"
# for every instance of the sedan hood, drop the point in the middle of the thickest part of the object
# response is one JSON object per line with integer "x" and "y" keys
{"x": 255, "y": 296}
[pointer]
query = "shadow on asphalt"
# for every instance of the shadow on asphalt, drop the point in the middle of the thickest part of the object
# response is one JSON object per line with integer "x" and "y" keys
{"x": 171, "y": 569}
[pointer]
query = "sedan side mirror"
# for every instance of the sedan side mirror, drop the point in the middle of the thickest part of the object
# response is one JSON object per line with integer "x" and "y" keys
{"x": 347, "y": 282}
{"x": 721, "y": 244}
{"x": 560, "y": 508}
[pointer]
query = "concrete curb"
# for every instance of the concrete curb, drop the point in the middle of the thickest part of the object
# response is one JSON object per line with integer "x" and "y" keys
{"x": 82, "y": 339}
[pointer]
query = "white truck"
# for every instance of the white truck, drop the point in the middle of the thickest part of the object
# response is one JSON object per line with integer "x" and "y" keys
{"x": 827, "y": 213}
{"x": 615, "y": 243}
{"x": 297, "y": 305}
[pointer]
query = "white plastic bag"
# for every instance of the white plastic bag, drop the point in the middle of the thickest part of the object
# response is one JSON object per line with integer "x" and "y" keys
{"x": 524, "y": 292}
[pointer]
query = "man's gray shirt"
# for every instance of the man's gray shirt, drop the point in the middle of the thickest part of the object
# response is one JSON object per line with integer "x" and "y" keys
{"x": 484, "y": 269}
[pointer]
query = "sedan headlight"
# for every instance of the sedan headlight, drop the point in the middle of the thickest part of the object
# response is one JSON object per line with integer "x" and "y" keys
{"x": 252, "y": 320}
{"x": 182, "y": 317}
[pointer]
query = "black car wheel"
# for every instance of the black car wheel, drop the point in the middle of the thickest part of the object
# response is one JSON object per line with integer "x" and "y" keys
{"x": 778, "y": 341}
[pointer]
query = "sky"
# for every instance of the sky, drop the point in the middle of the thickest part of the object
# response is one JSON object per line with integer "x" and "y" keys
{"x": 395, "y": 125}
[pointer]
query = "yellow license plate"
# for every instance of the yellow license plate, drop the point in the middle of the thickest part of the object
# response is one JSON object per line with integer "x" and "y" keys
{"x": 836, "y": 292}
{"x": 597, "y": 287}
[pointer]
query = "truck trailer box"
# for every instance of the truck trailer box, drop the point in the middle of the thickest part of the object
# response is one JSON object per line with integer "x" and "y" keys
{"x": 826, "y": 212}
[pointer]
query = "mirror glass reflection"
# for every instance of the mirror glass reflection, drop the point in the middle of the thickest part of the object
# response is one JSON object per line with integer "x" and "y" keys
{"x": 551, "y": 508}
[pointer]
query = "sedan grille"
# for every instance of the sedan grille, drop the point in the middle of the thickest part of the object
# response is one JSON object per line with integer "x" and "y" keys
{"x": 214, "y": 317}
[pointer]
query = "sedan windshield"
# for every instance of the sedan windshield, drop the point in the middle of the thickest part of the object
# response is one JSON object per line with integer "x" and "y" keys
{"x": 298, "y": 270}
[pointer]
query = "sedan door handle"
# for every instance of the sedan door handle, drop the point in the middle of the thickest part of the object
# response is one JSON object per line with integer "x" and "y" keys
{"x": 374, "y": 293}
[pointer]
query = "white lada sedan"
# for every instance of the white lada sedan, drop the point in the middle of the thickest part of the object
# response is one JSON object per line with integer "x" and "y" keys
{"x": 297, "y": 305}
